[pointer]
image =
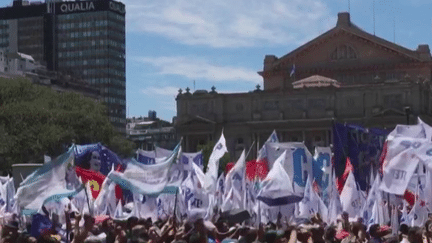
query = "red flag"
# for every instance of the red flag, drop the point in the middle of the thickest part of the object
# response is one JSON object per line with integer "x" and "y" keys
{"x": 94, "y": 178}
{"x": 256, "y": 170}
{"x": 341, "y": 180}
{"x": 228, "y": 167}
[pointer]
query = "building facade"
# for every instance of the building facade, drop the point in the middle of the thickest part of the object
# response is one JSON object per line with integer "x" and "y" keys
{"x": 84, "y": 39}
{"x": 148, "y": 132}
{"x": 343, "y": 75}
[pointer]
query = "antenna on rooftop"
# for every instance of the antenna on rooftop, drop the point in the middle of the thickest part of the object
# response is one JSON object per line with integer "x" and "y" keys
{"x": 373, "y": 9}
{"x": 394, "y": 29}
{"x": 349, "y": 6}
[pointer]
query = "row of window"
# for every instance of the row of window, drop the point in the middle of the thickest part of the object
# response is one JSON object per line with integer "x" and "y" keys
{"x": 4, "y": 31}
{"x": 74, "y": 44}
{"x": 112, "y": 100}
{"x": 92, "y": 15}
{"x": 113, "y": 81}
{"x": 117, "y": 119}
{"x": 114, "y": 91}
{"x": 83, "y": 53}
{"x": 115, "y": 16}
{"x": 81, "y": 34}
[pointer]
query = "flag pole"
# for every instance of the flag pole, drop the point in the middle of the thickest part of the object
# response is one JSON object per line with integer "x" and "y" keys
{"x": 88, "y": 200}
{"x": 250, "y": 149}
{"x": 175, "y": 206}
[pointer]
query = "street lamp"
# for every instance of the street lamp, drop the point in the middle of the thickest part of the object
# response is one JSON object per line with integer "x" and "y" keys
{"x": 407, "y": 113}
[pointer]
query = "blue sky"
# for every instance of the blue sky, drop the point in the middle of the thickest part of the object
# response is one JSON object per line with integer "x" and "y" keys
{"x": 172, "y": 43}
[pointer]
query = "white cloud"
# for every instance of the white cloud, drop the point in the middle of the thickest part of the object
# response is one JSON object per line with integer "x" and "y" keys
{"x": 194, "y": 68}
{"x": 227, "y": 23}
{"x": 163, "y": 91}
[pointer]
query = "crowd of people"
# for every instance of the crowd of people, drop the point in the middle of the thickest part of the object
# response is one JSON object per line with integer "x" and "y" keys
{"x": 85, "y": 228}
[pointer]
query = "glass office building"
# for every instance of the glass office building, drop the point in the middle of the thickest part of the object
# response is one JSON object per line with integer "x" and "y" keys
{"x": 85, "y": 39}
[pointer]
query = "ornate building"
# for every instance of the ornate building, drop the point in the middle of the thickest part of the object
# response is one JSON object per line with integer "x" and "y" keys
{"x": 345, "y": 74}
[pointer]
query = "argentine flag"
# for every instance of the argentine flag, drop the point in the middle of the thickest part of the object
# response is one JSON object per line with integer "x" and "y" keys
{"x": 48, "y": 183}
{"x": 148, "y": 179}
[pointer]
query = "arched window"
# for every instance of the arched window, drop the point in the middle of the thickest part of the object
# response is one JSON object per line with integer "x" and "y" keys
{"x": 343, "y": 52}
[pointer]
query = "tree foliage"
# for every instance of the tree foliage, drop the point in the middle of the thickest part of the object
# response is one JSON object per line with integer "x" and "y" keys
{"x": 35, "y": 120}
{"x": 207, "y": 149}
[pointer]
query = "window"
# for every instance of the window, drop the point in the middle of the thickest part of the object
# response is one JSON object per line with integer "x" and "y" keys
{"x": 343, "y": 52}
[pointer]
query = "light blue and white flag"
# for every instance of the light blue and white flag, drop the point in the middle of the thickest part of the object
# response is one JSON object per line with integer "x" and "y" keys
{"x": 48, "y": 183}
{"x": 185, "y": 161}
{"x": 148, "y": 179}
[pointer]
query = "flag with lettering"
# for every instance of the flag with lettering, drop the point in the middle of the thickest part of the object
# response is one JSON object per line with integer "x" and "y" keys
{"x": 235, "y": 180}
{"x": 297, "y": 163}
{"x": 362, "y": 146}
{"x": 309, "y": 205}
{"x": 185, "y": 161}
{"x": 399, "y": 169}
{"x": 374, "y": 195}
{"x": 322, "y": 169}
{"x": 209, "y": 181}
{"x": 146, "y": 157}
{"x": 351, "y": 198}
{"x": 147, "y": 179}
{"x": 418, "y": 215}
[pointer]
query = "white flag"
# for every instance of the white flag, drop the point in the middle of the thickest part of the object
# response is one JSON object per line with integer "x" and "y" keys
{"x": 374, "y": 195}
{"x": 105, "y": 203}
{"x": 351, "y": 197}
{"x": 398, "y": 173}
{"x": 394, "y": 221}
{"x": 418, "y": 214}
{"x": 308, "y": 206}
{"x": 335, "y": 205}
{"x": 276, "y": 188}
{"x": 213, "y": 165}
{"x": 235, "y": 180}
{"x": 297, "y": 163}
{"x": 262, "y": 153}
